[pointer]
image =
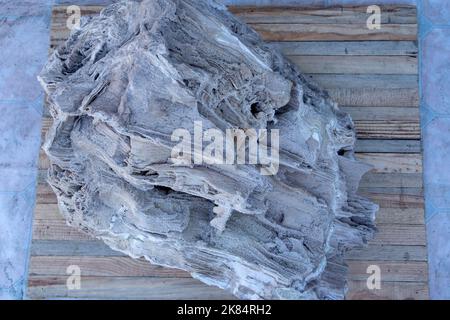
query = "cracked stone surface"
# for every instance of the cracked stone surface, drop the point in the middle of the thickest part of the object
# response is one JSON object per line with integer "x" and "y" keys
{"x": 127, "y": 79}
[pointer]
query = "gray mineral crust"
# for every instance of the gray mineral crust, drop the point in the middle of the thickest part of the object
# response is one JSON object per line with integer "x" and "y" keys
{"x": 129, "y": 78}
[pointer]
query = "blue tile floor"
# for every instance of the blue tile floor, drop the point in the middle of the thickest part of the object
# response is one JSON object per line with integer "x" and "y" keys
{"x": 435, "y": 117}
{"x": 24, "y": 29}
{"x": 24, "y": 41}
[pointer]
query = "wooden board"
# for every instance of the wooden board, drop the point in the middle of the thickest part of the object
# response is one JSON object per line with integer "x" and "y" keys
{"x": 373, "y": 75}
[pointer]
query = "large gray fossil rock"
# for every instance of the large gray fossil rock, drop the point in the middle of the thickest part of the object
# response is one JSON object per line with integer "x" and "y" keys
{"x": 128, "y": 79}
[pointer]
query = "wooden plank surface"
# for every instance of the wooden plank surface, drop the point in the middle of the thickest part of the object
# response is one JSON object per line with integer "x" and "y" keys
{"x": 348, "y": 48}
{"x": 334, "y": 32}
{"x": 54, "y": 287}
{"x": 314, "y": 15}
{"x": 372, "y": 75}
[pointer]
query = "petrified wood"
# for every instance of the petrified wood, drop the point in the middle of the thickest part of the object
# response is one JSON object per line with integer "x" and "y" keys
{"x": 124, "y": 89}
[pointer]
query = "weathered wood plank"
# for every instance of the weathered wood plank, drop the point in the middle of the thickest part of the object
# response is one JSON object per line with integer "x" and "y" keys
{"x": 382, "y": 98}
{"x": 387, "y": 129}
{"x": 356, "y": 64}
{"x": 390, "y": 270}
{"x": 363, "y": 116}
{"x": 300, "y": 32}
{"x": 101, "y": 267}
{"x": 365, "y": 131}
{"x": 305, "y": 15}
{"x": 54, "y": 287}
{"x": 335, "y": 32}
{"x": 373, "y": 97}
{"x": 397, "y": 234}
{"x": 75, "y": 248}
{"x": 404, "y": 206}
{"x": 47, "y": 211}
{"x": 348, "y": 48}
{"x": 362, "y": 146}
{"x": 386, "y": 199}
{"x": 388, "y": 146}
{"x": 45, "y": 194}
{"x": 128, "y": 267}
{"x": 401, "y": 216}
{"x": 385, "y": 196}
{"x": 56, "y": 248}
{"x": 365, "y": 81}
{"x": 393, "y": 162}
{"x": 146, "y": 288}
{"x": 57, "y": 229}
{"x": 381, "y": 162}
{"x": 397, "y": 191}
{"x": 372, "y": 180}
{"x": 43, "y": 162}
{"x": 392, "y": 180}
{"x": 315, "y": 48}
{"x": 389, "y": 253}
{"x": 384, "y": 216}
{"x": 373, "y": 114}
{"x": 46, "y": 123}
{"x": 61, "y": 11}
{"x": 389, "y": 291}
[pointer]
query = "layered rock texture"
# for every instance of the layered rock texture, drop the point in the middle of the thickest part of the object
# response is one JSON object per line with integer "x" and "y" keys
{"x": 126, "y": 80}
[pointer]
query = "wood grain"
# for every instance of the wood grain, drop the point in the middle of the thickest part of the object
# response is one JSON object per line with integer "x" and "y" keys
{"x": 141, "y": 288}
{"x": 375, "y": 97}
{"x": 393, "y": 162}
{"x": 147, "y": 288}
{"x": 334, "y": 32}
{"x": 50, "y": 211}
{"x": 375, "y": 128}
{"x": 348, "y": 48}
{"x": 388, "y": 146}
{"x": 317, "y": 15}
{"x": 49, "y": 224}
{"x": 373, "y": 75}
{"x": 113, "y": 266}
{"x": 389, "y": 253}
{"x": 389, "y": 290}
{"x": 101, "y": 267}
{"x": 56, "y": 248}
{"x": 357, "y": 64}
{"x": 365, "y": 81}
